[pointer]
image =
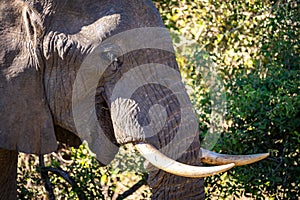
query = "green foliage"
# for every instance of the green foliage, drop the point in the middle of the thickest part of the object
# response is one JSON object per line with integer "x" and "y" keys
{"x": 95, "y": 181}
{"x": 29, "y": 181}
{"x": 264, "y": 116}
{"x": 86, "y": 172}
{"x": 84, "y": 169}
{"x": 253, "y": 48}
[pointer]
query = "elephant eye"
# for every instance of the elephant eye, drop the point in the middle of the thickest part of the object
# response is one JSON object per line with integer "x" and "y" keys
{"x": 113, "y": 54}
{"x": 116, "y": 62}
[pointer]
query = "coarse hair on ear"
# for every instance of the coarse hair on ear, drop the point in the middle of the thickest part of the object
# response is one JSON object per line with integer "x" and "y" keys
{"x": 26, "y": 122}
{"x": 30, "y": 26}
{"x": 33, "y": 28}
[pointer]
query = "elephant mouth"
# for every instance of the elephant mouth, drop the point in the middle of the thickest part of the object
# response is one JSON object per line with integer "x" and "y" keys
{"x": 104, "y": 118}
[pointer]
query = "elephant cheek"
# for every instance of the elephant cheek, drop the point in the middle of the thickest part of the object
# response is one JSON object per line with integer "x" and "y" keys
{"x": 124, "y": 117}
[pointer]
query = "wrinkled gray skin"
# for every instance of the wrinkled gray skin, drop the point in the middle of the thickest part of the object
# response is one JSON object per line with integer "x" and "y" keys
{"x": 43, "y": 44}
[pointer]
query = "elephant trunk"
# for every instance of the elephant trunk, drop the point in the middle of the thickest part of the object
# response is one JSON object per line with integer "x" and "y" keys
{"x": 169, "y": 186}
{"x": 162, "y": 117}
{"x": 8, "y": 174}
{"x": 175, "y": 187}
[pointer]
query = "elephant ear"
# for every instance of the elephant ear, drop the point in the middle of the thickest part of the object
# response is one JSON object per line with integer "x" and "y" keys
{"x": 25, "y": 122}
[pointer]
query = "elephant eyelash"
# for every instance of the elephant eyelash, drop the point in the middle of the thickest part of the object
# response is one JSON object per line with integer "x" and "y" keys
{"x": 116, "y": 64}
{"x": 104, "y": 108}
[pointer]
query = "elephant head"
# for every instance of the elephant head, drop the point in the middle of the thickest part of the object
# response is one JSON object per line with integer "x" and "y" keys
{"x": 103, "y": 71}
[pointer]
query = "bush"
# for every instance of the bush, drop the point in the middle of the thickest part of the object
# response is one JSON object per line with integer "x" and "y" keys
{"x": 92, "y": 180}
{"x": 249, "y": 52}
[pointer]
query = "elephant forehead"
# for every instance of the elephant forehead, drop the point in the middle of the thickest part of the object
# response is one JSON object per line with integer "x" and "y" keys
{"x": 140, "y": 38}
{"x": 69, "y": 17}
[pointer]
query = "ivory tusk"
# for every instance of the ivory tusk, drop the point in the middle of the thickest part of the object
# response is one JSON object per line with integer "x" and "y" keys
{"x": 213, "y": 158}
{"x": 171, "y": 166}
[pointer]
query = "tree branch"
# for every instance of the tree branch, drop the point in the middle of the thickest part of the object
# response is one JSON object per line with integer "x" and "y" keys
{"x": 46, "y": 179}
{"x": 134, "y": 188}
{"x": 60, "y": 172}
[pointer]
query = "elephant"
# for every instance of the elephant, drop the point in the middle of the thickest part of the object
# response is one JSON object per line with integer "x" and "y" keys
{"x": 102, "y": 71}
